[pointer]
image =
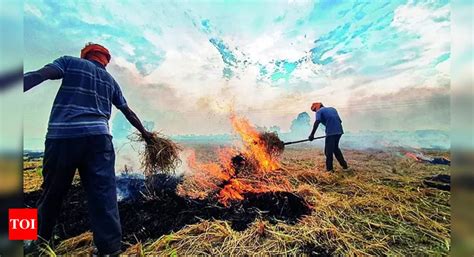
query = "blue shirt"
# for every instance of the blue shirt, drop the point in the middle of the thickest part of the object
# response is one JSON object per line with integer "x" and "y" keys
{"x": 329, "y": 117}
{"x": 83, "y": 104}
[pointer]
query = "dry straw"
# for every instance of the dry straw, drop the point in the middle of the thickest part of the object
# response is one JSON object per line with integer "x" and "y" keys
{"x": 273, "y": 144}
{"x": 159, "y": 156}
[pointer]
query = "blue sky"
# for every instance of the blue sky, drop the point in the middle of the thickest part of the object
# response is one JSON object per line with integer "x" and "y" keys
{"x": 182, "y": 65}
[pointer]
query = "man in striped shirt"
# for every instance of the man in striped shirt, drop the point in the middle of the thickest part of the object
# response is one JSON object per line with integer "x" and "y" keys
{"x": 78, "y": 137}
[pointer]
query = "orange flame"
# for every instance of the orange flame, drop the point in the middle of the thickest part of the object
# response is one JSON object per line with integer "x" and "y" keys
{"x": 255, "y": 148}
{"x": 233, "y": 191}
{"x": 222, "y": 178}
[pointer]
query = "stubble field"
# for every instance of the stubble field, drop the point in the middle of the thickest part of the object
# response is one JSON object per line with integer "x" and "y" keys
{"x": 381, "y": 207}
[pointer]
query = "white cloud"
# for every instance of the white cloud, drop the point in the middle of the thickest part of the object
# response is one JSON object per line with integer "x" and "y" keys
{"x": 128, "y": 48}
{"x": 431, "y": 25}
{"x": 153, "y": 38}
{"x": 31, "y": 9}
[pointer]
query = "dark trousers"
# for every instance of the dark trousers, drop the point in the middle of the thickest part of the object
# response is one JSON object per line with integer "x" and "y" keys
{"x": 331, "y": 148}
{"x": 94, "y": 157}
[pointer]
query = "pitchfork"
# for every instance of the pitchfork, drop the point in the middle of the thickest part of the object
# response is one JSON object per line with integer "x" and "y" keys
{"x": 301, "y": 141}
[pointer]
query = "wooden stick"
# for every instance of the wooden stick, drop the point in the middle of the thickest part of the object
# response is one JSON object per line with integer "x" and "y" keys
{"x": 301, "y": 141}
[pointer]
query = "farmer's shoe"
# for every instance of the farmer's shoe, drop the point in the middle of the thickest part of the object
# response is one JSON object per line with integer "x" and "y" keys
{"x": 96, "y": 253}
{"x": 348, "y": 170}
{"x": 35, "y": 247}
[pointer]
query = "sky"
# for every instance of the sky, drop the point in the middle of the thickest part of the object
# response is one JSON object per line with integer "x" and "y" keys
{"x": 183, "y": 65}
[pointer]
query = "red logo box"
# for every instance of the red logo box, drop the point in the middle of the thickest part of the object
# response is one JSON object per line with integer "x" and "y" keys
{"x": 23, "y": 224}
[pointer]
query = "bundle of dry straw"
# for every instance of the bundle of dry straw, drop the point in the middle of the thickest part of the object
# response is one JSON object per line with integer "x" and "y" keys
{"x": 272, "y": 142}
{"x": 159, "y": 156}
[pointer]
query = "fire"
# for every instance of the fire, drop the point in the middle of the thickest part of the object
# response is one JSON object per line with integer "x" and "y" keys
{"x": 255, "y": 148}
{"x": 222, "y": 178}
{"x": 233, "y": 191}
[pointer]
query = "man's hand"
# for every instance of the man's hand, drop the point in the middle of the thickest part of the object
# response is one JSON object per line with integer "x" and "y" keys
{"x": 311, "y": 137}
{"x": 148, "y": 136}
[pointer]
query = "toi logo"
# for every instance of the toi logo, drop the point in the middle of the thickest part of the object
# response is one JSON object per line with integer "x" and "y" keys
{"x": 23, "y": 224}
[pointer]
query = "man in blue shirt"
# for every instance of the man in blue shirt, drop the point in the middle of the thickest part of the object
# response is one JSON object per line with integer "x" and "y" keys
{"x": 329, "y": 117}
{"x": 79, "y": 138}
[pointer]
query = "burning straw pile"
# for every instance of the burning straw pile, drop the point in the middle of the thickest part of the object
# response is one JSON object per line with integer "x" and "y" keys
{"x": 161, "y": 156}
{"x": 240, "y": 171}
{"x": 273, "y": 143}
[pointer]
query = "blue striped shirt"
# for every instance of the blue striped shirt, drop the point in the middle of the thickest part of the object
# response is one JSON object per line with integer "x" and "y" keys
{"x": 83, "y": 104}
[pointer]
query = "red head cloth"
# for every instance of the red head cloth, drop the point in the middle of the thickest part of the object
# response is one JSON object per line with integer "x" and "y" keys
{"x": 96, "y": 52}
{"x": 315, "y": 106}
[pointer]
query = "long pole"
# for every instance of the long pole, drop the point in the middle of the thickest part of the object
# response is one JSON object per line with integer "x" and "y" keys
{"x": 301, "y": 141}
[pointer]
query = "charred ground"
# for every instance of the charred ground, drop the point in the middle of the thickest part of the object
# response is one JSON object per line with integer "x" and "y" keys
{"x": 160, "y": 211}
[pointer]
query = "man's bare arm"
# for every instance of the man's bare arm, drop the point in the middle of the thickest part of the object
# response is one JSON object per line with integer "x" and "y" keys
{"x": 315, "y": 127}
{"x": 135, "y": 121}
{"x": 34, "y": 78}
